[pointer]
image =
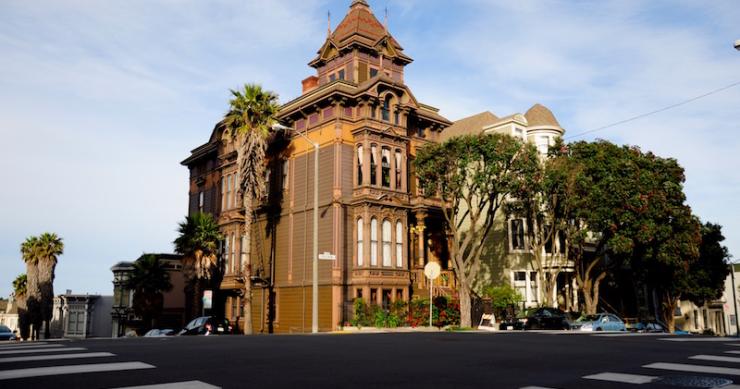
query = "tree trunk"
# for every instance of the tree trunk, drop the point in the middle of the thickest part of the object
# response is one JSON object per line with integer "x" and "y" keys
{"x": 466, "y": 307}
{"x": 668, "y": 307}
{"x": 246, "y": 261}
{"x": 46, "y": 287}
{"x": 33, "y": 300}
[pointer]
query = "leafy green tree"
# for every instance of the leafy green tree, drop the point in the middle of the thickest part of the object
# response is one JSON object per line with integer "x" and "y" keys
{"x": 472, "y": 175}
{"x": 149, "y": 280}
{"x": 198, "y": 243}
{"x": 20, "y": 285}
{"x": 249, "y": 123}
{"x": 503, "y": 298}
{"x": 708, "y": 274}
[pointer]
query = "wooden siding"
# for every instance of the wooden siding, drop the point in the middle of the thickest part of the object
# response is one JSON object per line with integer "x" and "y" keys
{"x": 294, "y": 309}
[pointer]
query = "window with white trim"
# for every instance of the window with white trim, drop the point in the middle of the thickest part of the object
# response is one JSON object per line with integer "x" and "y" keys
{"x": 373, "y": 165}
{"x": 516, "y": 234}
{"x": 360, "y": 162}
{"x": 360, "y": 245}
{"x": 373, "y": 242}
{"x": 386, "y": 243}
{"x": 399, "y": 244}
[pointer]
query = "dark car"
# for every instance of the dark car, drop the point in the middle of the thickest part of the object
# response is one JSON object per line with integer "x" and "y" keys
{"x": 546, "y": 319}
{"x": 207, "y": 325}
{"x": 516, "y": 322}
{"x": 6, "y": 333}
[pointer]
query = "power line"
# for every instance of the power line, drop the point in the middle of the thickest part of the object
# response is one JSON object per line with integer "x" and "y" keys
{"x": 656, "y": 111}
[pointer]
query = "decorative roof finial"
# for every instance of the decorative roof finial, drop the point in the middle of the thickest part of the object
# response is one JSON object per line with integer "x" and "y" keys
{"x": 328, "y": 21}
{"x": 358, "y": 2}
{"x": 385, "y": 23}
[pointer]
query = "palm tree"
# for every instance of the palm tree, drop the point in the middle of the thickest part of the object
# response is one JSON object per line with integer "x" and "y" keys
{"x": 249, "y": 123}
{"x": 149, "y": 280}
{"x": 19, "y": 292}
{"x": 30, "y": 254}
{"x": 198, "y": 243}
{"x": 50, "y": 247}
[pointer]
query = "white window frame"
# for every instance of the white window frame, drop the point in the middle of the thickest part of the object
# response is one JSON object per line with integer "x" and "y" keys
{"x": 387, "y": 243}
{"x": 360, "y": 242}
{"x": 373, "y": 242}
{"x": 399, "y": 244}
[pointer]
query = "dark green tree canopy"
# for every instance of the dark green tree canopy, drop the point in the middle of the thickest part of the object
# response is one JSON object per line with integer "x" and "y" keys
{"x": 707, "y": 275}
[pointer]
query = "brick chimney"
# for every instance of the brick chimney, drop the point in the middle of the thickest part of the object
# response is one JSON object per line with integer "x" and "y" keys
{"x": 310, "y": 84}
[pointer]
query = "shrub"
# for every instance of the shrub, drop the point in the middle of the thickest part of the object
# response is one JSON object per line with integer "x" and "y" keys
{"x": 362, "y": 314}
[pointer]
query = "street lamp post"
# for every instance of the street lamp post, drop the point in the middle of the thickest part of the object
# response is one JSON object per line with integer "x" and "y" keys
{"x": 315, "y": 286}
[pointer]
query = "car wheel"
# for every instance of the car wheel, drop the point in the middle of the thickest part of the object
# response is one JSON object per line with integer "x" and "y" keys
{"x": 599, "y": 329}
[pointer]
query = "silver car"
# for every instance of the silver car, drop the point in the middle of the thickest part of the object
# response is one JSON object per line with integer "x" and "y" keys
{"x": 600, "y": 322}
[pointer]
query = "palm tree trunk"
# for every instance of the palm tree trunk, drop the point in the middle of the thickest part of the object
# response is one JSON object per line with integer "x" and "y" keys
{"x": 33, "y": 299}
{"x": 46, "y": 287}
{"x": 246, "y": 261}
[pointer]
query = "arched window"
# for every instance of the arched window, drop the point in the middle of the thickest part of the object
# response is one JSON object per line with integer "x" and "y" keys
{"x": 385, "y": 166}
{"x": 373, "y": 242}
{"x": 360, "y": 245}
{"x": 386, "y": 243}
{"x": 399, "y": 244}
{"x": 360, "y": 162}
{"x": 387, "y": 109}
{"x": 373, "y": 165}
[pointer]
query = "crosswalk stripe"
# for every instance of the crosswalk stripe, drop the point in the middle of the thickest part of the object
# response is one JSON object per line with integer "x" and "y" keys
{"x": 733, "y": 352}
{"x": 535, "y": 387}
{"x": 28, "y": 346}
{"x": 71, "y": 369}
{"x": 16, "y": 344}
{"x": 686, "y": 339}
{"x": 624, "y": 378}
{"x": 693, "y": 368}
{"x": 55, "y": 357}
{"x": 182, "y": 385}
{"x": 732, "y": 344}
{"x": 42, "y": 350}
{"x": 717, "y": 358}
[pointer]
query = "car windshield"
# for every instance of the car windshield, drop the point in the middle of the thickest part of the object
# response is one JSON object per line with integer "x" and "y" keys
{"x": 590, "y": 318}
{"x": 4, "y": 328}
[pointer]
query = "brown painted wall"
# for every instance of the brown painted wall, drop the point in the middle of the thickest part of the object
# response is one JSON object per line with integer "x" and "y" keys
{"x": 294, "y": 309}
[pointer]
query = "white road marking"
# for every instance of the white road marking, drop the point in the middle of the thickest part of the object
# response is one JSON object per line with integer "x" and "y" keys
{"x": 693, "y": 368}
{"x": 55, "y": 357}
{"x": 183, "y": 385}
{"x": 28, "y": 345}
{"x": 717, "y": 358}
{"x": 733, "y": 352}
{"x": 535, "y": 387}
{"x": 624, "y": 378}
{"x": 73, "y": 369}
{"x": 690, "y": 339}
{"x": 732, "y": 344}
{"x": 41, "y": 350}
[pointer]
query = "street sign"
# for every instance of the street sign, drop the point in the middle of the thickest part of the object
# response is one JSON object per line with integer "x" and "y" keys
{"x": 207, "y": 299}
{"x": 327, "y": 256}
{"x": 432, "y": 270}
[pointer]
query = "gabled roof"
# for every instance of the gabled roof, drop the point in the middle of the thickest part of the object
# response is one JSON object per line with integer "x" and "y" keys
{"x": 360, "y": 27}
{"x": 469, "y": 126}
{"x": 539, "y": 115}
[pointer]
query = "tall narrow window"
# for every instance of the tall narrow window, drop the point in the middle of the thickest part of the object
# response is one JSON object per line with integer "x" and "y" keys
{"x": 399, "y": 244}
{"x": 227, "y": 258}
{"x": 386, "y": 243}
{"x": 373, "y": 72}
{"x": 399, "y": 161}
{"x": 341, "y": 74}
{"x": 201, "y": 201}
{"x": 285, "y": 171}
{"x": 372, "y": 111}
{"x": 517, "y": 234}
{"x": 374, "y": 242}
{"x": 386, "y": 111}
{"x": 223, "y": 193}
{"x": 386, "y": 167}
{"x": 268, "y": 174}
{"x": 396, "y": 117}
{"x": 228, "y": 191}
{"x": 360, "y": 245}
{"x": 373, "y": 165}
{"x": 360, "y": 162}
{"x": 235, "y": 265}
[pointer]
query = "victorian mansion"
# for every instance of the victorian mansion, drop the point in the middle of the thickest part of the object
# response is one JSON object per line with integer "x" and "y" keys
{"x": 369, "y": 125}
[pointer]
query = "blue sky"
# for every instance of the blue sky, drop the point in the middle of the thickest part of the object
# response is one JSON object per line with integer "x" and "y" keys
{"x": 100, "y": 101}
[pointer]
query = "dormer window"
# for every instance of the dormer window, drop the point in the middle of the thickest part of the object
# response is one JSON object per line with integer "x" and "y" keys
{"x": 340, "y": 74}
{"x": 519, "y": 133}
{"x": 387, "y": 109}
{"x": 373, "y": 72}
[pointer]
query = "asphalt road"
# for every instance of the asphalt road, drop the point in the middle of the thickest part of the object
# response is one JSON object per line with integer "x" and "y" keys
{"x": 413, "y": 360}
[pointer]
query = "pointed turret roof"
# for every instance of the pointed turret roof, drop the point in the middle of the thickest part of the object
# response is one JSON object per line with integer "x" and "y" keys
{"x": 361, "y": 27}
{"x": 539, "y": 115}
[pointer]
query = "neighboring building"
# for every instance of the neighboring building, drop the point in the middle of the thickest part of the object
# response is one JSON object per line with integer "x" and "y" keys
{"x": 81, "y": 316}
{"x": 717, "y": 316}
{"x": 539, "y": 127}
{"x": 9, "y": 314}
{"x": 369, "y": 125}
{"x": 122, "y": 314}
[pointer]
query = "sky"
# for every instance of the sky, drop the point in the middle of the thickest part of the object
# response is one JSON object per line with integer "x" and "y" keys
{"x": 100, "y": 101}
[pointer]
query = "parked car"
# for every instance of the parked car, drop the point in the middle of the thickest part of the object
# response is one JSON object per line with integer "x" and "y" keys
{"x": 515, "y": 322}
{"x": 6, "y": 333}
{"x": 155, "y": 333}
{"x": 600, "y": 322}
{"x": 546, "y": 319}
{"x": 647, "y": 327}
{"x": 207, "y": 325}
